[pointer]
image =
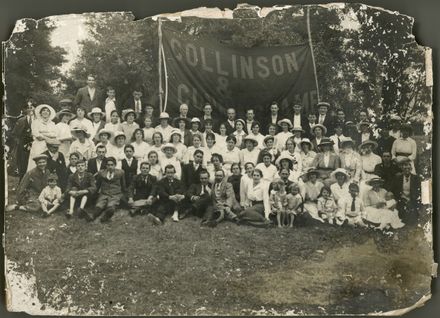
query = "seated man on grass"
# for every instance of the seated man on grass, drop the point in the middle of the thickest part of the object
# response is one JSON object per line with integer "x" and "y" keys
{"x": 111, "y": 189}
{"x": 80, "y": 187}
{"x": 171, "y": 194}
{"x": 142, "y": 191}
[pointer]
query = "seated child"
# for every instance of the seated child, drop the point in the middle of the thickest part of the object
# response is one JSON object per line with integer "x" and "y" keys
{"x": 73, "y": 159}
{"x": 50, "y": 196}
{"x": 351, "y": 208}
{"x": 278, "y": 201}
{"x": 327, "y": 207}
{"x": 294, "y": 203}
{"x": 80, "y": 187}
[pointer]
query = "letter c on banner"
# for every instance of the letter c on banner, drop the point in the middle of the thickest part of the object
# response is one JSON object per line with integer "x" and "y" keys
{"x": 182, "y": 94}
{"x": 175, "y": 46}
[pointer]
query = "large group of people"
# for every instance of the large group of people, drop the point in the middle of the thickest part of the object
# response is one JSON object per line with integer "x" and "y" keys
{"x": 94, "y": 157}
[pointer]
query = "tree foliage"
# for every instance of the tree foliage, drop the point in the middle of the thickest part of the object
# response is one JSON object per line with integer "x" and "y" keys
{"x": 31, "y": 65}
{"x": 120, "y": 53}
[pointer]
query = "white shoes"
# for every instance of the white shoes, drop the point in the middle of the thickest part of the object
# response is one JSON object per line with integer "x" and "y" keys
{"x": 175, "y": 216}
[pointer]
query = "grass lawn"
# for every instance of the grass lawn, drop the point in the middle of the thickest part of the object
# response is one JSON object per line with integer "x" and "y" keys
{"x": 133, "y": 268}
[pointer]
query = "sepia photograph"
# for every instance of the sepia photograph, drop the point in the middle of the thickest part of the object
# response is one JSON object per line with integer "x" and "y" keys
{"x": 246, "y": 161}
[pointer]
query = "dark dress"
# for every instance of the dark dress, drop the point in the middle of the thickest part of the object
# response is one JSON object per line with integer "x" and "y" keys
{"x": 235, "y": 181}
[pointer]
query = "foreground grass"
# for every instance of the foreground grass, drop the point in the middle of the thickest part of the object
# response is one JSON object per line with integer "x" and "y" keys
{"x": 131, "y": 267}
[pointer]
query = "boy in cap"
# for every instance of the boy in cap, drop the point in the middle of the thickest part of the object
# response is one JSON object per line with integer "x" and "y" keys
{"x": 80, "y": 187}
{"x": 50, "y": 197}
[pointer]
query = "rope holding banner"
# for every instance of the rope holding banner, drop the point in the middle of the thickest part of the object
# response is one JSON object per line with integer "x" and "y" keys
{"x": 159, "y": 31}
{"x": 166, "y": 79}
{"x": 309, "y": 33}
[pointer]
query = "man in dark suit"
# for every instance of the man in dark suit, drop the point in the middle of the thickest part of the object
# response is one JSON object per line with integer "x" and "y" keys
{"x": 207, "y": 114}
{"x": 137, "y": 103}
{"x": 142, "y": 191}
{"x": 89, "y": 96}
{"x": 198, "y": 198}
{"x": 299, "y": 119}
{"x": 191, "y": 171}
{"x": 22, "y": 135}
{"x": 311, "y": 122}
{"x": 56, "y": 162}
{"x": 99, "y": 162}
{"x": 387, "y": 170}
{"x": 323, "y": 117}
{"x": 407, "y": 192}
{"x": 250, "y": 119}
{"x": 129, "y": 164}
{"x": 111, "y": 187}
{"x": 230, "y": 121}
{"x": 171, "y": 197}
{"x": 271, "y": 117}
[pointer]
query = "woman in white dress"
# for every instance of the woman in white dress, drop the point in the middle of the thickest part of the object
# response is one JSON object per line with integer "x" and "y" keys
{"x": 380, "y": 206}
{"x": 350, "y": 159}
{"x": 114, "y": 124}
{"x": 153, "y": 159}
{"x": 43, "y": 128}
{"x": 141, "y": 148}
{"x": 220, "y": 138}
{"x": 244, "y": 183}
{"x": 157, "y": 144}
{"x": 196, "y": 144}
{"x": 255, "y": 133}
{"x": 83, "y": 144}
{"x": 239, "y": 133}
{"x": 104, "y": 136}
{"x": 64, "y": 134}
{"x": 116, "y": 149}
{"x": 250, "y": 152}
{"x": 307, "y": 154}
{"x": 284, "y": 134}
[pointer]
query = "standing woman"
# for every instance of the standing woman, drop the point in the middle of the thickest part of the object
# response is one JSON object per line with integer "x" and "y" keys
{"x": 177, "y": 140}
{"x": 42, "y": 128}
{"x": 64, "y": 135}
{"x": 141, "y": 148}
{"x": 284, "y": 134}
{"x": 350, "y": 159}
{"x": 222, "y": 136}
{"x": 245, "y": 181}
{"x": 326, "y": 160}
{"x": 307, "y": 154}
{"x": 405, "y": 145}
{"x": 231, "y": 155}
{"x": 319, "y": 131}
{"x": 257, "y": 211}
{"x": 239, "y": 133}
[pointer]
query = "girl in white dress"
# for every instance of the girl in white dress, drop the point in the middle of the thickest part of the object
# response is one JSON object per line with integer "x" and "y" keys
{"x": 117, "y": 148}
{"x": 155, "y": 167}
{"x": 42, "y": 128}
{"x": 177, "y": 141}
{"x": 284, "y": 134}
{"x": 148, "y": 130}
{"x": 232, "y": 154}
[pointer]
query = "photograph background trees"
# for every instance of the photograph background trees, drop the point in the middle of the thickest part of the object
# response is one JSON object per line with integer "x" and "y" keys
{"x": 366, "y": 58}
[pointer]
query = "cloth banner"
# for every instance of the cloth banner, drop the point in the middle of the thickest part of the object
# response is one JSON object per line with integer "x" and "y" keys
{"x": 201, "y": 70}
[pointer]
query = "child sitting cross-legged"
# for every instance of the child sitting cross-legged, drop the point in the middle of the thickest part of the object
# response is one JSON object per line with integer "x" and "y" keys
{"x": 327, "y": 207}
{"x": 50, "y": 196}
{"x": 278, "y": 201}
{"x": 80, "y": 187}
{"x": 294, "y": 203}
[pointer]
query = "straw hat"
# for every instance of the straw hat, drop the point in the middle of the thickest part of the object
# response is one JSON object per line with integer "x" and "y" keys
{"x": 267, "y": 138}
{"x": 164, "y": 115}
{"x": 178, "y": 119}
{"x": 324, "y": 129}
{"x": 116, "y": 135}
{"x": 41, "y": 107}
{"x": 95, "y": 110}
{"x": 298, "y": 129}
{"x": 178, "y": 132}
{"x": 105, "y": 131}
{"x": 39, "y": 157}
{"x": 63, "y": 112}
{"x": 169, "y": 146}
{"x": 346, "y": 140}
{"x": 326, "y": 142}
{"x": 127, "y": 111}
{"x": 306, "y": 141}
{"x": 285, "y": 121}
{"x": 254, "y": 141}
{"x": 368, "y": 142}
{"x": 241, "y": 121}
{"x": 340, "y": 171}
{"x": 82, "y": 128}
{"x": 325, "y": 104}
{"x": 375, "y": 179}
{"x": 53, "y": 142}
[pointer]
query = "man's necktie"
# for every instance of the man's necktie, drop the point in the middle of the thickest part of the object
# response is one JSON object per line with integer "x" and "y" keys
{"x": 353, "y": 206}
